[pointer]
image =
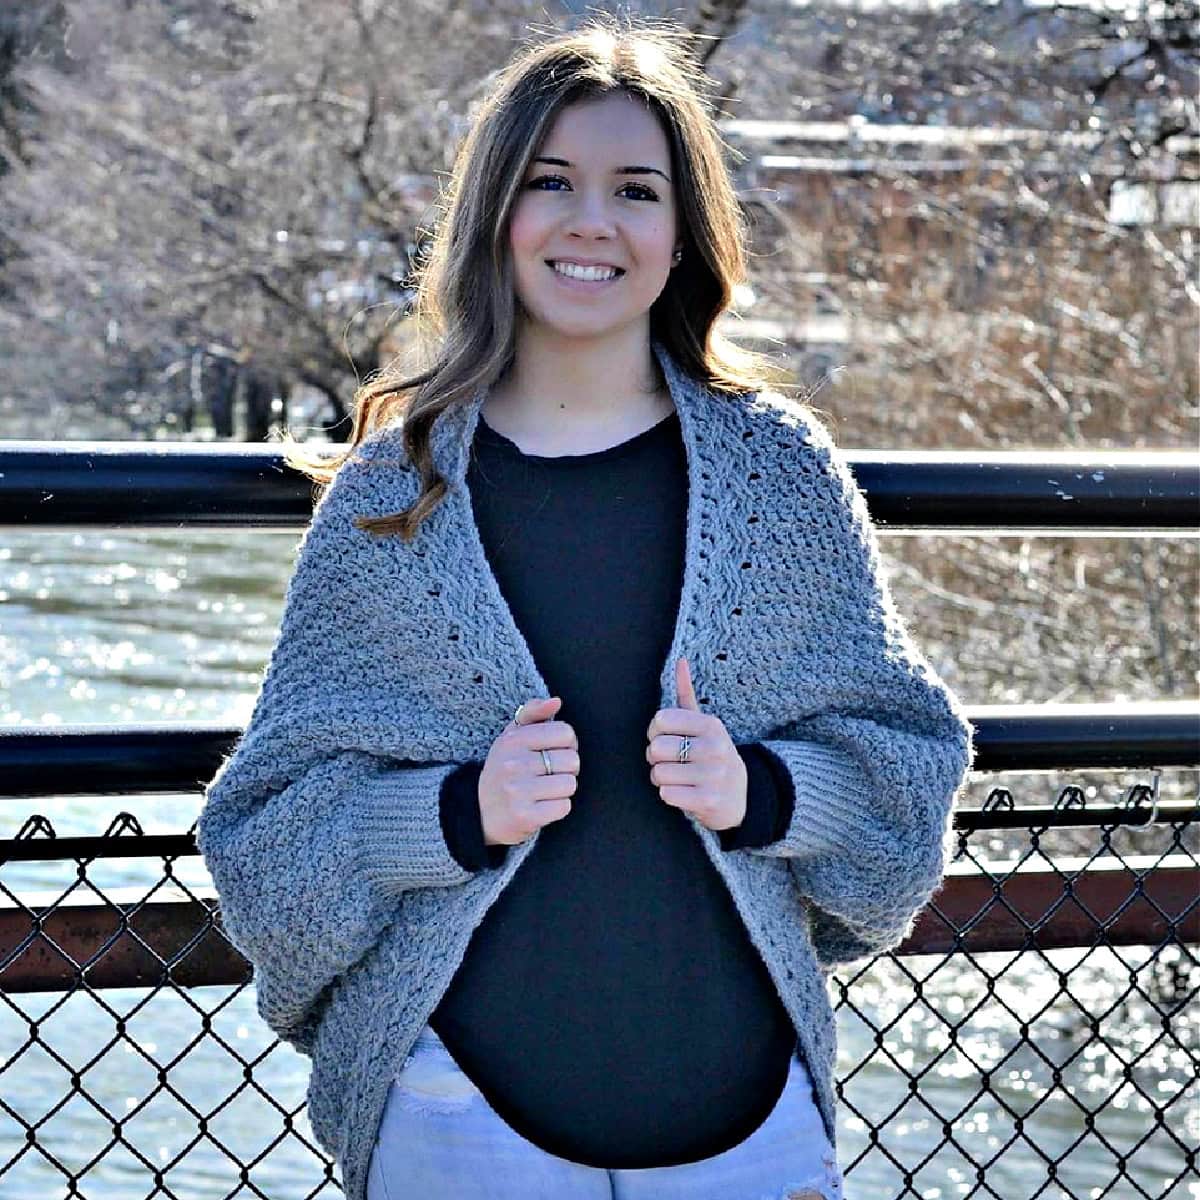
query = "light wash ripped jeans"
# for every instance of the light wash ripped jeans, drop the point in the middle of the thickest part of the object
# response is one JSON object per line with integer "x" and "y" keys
{"x": 439, "y": 1139}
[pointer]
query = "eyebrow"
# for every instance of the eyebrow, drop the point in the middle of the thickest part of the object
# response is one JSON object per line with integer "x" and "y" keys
{"x": 562, "y": 162}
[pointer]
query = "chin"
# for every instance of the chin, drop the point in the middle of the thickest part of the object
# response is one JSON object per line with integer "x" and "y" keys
{"x": 582, "y": 324}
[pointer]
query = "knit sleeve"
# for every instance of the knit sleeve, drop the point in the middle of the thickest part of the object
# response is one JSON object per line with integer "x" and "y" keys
{"x": 327, "y": 810}
{"x": 879, "y": 748}
{"x": 308, "y": 877}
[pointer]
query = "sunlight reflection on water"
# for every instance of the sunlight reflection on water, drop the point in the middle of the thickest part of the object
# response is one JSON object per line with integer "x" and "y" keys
{"x": 156, "y": 626}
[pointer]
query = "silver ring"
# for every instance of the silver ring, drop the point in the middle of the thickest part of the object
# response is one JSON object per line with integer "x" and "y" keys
{"x": 546, "y": 762}
{"x": 517, "y": 715}
{"x": 685, "y": 745}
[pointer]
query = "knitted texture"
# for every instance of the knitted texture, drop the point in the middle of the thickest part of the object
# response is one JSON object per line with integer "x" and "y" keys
{"x": 397, "y": 662}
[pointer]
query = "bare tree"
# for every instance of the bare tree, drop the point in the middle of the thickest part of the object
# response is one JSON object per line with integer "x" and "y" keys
{"x": 203, "y": 182}
{"x": 260, "y": 176}
{"x": 253, "y": 175}
{"x": 973, "y": 285}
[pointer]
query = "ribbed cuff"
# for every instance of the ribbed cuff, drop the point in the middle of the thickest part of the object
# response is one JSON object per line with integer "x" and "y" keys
{"x": 785, "y": 791}
{"x": 832, "y": 812}
{"x": 400, "y": 839}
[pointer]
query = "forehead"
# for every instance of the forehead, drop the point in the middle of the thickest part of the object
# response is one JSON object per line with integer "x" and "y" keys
{"x": 611, "y": 127}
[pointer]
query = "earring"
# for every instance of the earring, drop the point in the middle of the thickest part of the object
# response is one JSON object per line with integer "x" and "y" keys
{"x": 677, "y": 256}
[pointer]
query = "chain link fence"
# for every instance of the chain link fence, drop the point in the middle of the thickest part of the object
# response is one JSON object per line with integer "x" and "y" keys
{"x": 1031, "y": 1038}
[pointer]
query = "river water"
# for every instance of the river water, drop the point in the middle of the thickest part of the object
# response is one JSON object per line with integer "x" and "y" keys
{"x": 117, "y": 627}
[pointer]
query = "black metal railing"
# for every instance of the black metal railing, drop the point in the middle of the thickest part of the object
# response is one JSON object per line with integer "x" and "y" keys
{"x": 1073, "y": 1074}
{"x": 170, "y": 484}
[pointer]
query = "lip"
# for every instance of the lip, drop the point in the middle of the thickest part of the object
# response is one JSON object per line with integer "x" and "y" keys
{"x": 584, "y": 262}
{"x": 586, "y": 286}
{"x": 583, "y": 285}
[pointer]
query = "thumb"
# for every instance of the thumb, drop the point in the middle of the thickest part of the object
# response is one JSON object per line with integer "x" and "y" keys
{"x": 684, "y": 690}
{"x": 534, "y": 711}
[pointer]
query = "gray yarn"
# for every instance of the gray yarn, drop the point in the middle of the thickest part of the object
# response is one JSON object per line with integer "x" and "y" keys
{"x": 395, "y": 662}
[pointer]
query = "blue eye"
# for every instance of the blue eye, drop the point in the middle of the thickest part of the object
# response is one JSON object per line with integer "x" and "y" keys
{"x": 648, "y": 193}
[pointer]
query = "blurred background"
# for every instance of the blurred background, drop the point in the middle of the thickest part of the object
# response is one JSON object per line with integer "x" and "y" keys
{"x": 973, "y": 225}
{"x": 976, "y": 222}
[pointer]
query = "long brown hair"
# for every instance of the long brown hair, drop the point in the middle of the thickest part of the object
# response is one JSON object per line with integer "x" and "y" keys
{"x": 463, "y": 328}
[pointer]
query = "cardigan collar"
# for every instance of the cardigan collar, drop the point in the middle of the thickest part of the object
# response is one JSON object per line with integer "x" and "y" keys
{"x": 454, "y": 428}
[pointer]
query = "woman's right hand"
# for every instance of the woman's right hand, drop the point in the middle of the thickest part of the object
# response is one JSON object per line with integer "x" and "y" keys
{"x": 516, "y": 796}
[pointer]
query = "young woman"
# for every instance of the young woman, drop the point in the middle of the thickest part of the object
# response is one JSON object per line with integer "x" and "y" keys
{"x": 585, "y": 598}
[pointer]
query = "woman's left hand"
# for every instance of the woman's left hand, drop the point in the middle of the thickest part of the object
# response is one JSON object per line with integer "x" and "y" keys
{"x": 712, "y": 783}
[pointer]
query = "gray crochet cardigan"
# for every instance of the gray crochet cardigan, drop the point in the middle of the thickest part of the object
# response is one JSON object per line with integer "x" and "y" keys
{"x": 396, "y": 662}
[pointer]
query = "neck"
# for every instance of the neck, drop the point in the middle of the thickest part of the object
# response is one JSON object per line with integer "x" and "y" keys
{"x": 582, "y": 384}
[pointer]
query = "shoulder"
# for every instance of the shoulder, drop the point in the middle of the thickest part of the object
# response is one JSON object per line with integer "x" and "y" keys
{"x": 380, "y": 449}
{"x": 380, "y": 455}
{"x": 375, "y": 478}
{"x": 790, "y": 418}
{"x": 801, "y": 447}
{"x": 791, "y": 437}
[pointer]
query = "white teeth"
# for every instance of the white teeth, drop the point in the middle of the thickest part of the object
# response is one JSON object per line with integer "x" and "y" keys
{"x": 592, "y": 273}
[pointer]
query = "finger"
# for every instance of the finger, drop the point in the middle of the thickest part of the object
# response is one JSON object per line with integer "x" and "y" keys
{"x": 546, "y": 735}
{"x": 546, "y": 789}
{"x": 683, "y": 685}
{"x": 665, "y": 748}
{"x": 533, "y": 711}
{"x": 678, "y": 721}
{"x": 563, "y": 759}
{"x": 688, "y": 799}
{"x": 675, "y": 774}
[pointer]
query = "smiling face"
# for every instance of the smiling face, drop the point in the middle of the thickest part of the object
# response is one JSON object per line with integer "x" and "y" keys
{"x": 595, "y": 204}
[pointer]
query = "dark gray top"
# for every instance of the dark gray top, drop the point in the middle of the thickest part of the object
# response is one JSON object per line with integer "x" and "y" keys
{"x": 611, "y": 1006}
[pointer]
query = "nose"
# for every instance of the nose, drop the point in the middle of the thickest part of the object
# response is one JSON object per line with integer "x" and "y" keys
{"x": 590, "y": 217}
